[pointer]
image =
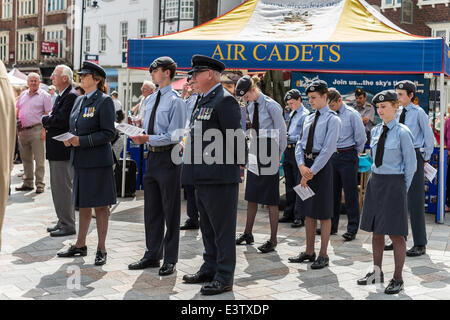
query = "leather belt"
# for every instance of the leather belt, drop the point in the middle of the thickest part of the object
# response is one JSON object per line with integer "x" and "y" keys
{"x": 31, "y": 127}
{"x": 291, "y": 145}
{"x": 352, "y": 148}
{"x": 310, "y": 156}
{"x": 161, "y": 149}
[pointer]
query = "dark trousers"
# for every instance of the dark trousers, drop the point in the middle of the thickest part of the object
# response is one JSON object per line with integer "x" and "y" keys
{"x": 292, "y": 178}
{"x": 416, "y": 204}
{"x": 162, "y": 207}
{"x": 217, "y": 204}
{"x": 191, "y": 204}
{"x": 345, "y": 175}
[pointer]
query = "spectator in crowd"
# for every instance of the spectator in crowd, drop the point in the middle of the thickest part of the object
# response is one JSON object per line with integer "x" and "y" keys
{"x": 52, "y": 93}
{"x": 366, "y": 110}
{"x": 115, "y": 98}
{"x": 17, "y": 91}
{"x": 79, "y": 89}
{"x": 31, "y": 106}
{"x": 447, "y": 146}
{"x": 148, "y": 87}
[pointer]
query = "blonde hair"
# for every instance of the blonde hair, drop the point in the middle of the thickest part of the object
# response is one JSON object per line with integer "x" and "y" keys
{"x": 255, "y": 82}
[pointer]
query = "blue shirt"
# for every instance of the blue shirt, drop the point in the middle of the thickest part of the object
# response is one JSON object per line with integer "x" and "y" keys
{"x": 270, "y": 117}
{"x": 296, "y": 124}
{"x": 417, "y": 122}
{"x": 190, "y": 104}
{"x": 170, "y": 117}
{"x": 326, "y": 135}
{"x": 90, "y": 94}
{"x": 399, "y": 156}
{"x": 353, "y": 132}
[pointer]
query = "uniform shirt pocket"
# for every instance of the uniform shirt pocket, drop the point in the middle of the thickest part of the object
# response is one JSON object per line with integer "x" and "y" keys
{"x": 392, "y": 144}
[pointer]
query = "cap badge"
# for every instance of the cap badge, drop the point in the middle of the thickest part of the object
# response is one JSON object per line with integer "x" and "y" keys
{"x": 381, "y": 98}
{"x": 289, "y": 97}
{"x": 400, "y": 85}
{"x": 312, "y": 88}
{"x": 242, "y": 92}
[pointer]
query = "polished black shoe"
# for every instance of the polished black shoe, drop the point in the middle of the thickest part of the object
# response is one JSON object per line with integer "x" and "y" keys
{"x": 24, "y": 188}
{"x": 100, "y": 258}
{"x": 73, "y": 251}
{"x": 267, "y": 247}
{"x": 394, "y": 287}
{"x": 298, "y": 223}
{"x": 416, "y": 251}
{"x": 248, "y": 238}
{"x": 303, "y": 257}
{"x": 320, "y": 263}
{"x": 166, "y": 269}
{"x": 389, "y": 247}
{"x": 215, "y": 287}
{"x": 285, "y": 219}
{"x": 198, "y": 277}
{"x": 51, "y": 229}
{"x": 189, "y": 226}
{"x": 348, "y": 236}
{"x": 371, "y": 278}
{"x": 143, "y": 264}
{"x": 62, "y": 233}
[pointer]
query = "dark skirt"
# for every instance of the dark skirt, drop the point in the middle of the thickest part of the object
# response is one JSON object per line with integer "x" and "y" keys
{"x": 94, "y": 187}
{"x": 385, "y": 208}
{"x": 320, "y": 206}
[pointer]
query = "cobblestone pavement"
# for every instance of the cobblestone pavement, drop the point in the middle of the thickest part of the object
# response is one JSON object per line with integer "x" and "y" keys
{"x": 30, "y": 269}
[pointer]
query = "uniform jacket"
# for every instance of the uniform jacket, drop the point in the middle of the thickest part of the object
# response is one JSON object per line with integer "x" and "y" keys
{"x": 218, "y": 110}
{"x": 58, "y": 123}
{"x": 93, "y": 121}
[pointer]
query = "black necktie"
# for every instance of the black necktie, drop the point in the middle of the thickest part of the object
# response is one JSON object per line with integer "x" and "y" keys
{"x": 309, "y": 143}
{"x": 403, "y": 115}
{"x": 57, "y": 99}
{"x": 151, "y": 124}
{"x": 380, "y": 147}
{"x": 255, "y": 120}
{"x": 194, "y": 111}
{"x": 290, "y": 119}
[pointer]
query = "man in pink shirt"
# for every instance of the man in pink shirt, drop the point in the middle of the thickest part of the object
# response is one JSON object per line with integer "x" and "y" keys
{"x": 31, "y": 106}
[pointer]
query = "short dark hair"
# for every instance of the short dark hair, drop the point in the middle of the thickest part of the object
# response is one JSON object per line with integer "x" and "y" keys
{"x": 173, "y": 69}
{"x": 333, "y": 95}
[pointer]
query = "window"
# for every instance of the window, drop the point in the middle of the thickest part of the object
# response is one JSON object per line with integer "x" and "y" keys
{"x": 55, "y": 5}
{"x": 6, "y": 9}
{"x": 171, "y": 9}
{"x": 407, "y": 12}
{"x": 56, "y": 34}
{"x": 142, "y": 28}
{"x": 187, "y": 9}
{"x": 87, "y": 39}
{"x": 124, "y": 35}
{"x": 388, "y": 4}
{"x": 27, "y": 7}
{"x": 421, "y": 3}
{"x": 102, "y": 37}
{"x": 440, "y": 30}
{"x": 4, "y": 48}
{"x": 27, "y": 45}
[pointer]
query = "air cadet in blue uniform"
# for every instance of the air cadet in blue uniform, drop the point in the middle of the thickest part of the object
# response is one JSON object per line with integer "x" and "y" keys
{"x": 292, "y": 211}
{"x": 415, "y": 118}
{"x": 216, "y": 182}
{"x": 352, "y": 140}
{"x": 92, "y": 123}
{"x": 314, "y": 149}
{"x": 385, "y": 204}
{"x": 165, "y": 117}
{"x": 267, "y": 120}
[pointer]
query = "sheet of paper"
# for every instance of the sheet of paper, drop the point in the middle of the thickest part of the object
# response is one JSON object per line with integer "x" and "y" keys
{"x": 253, "y": 164}
{"x": 129, "y": 130}
{"x": 430, "y": 172}
{"x": 304, "y": 193}
{"x": 64, "y": 137}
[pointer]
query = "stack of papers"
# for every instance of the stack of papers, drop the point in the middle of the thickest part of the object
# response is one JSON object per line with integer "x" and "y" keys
{"x": 129, "y": 130}
{"x": 64, "y": 137}
{"x": 430, "y": 172}
{"x": 304, "y": 192}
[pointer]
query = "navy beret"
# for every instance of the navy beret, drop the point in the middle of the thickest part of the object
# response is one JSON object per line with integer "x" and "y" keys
{"x": 359, "y": 92}
{"x": 386, "y": 95}
{"x": 406, "y": 85}
{"x": 200, "y": 62}
{"x": 292, "y": 94}
{"x": 161, "y": 62}
{"x": 242, "y": 86}
{"x": 317, "y": 85}
{"x": 92, "y": 68}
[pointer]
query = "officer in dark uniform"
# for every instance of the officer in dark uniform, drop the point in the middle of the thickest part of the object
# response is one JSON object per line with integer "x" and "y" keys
{"x": 216, "y": 183}
{"x": 165, "y": 117}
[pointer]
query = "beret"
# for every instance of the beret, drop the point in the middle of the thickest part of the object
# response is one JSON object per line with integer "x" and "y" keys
{"x": 359, "y": 91}
{"x": 406, "y": 85}
{"x": 200, "y": 62}
{"x": 292, "y": 94}
{"x": 92, "y": 68}
{"x": 317, "y": 85}
{"x": 161, "y": 62}
{"x": 242, "y": 86}
{"x": 386, "y": 95}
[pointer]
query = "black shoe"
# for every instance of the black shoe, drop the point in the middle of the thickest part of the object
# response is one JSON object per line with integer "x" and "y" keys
{"x": 73, "y": 251}
{"x": 198, "y": 277}
{"x": 100, "y": 258}
{"x": 371, "y": 278}
{"x": 51, "y": 229}
{"x": 320, "y": 263}
{"x": 17, "y": 161}
{"x": 416, "y": 251}
{"x": 267, "y": 247}
{"x": 62, "y": 233}
{"x": 215, "y": 287}
{"x": 248, "y": 238}
{"x": 189, "y": 226}
{"x": 298, "y": 223}
{"x": 394, "y": 287}
{"x": 348, "y": 236}
{"x": 166, "y": 269}
{"x": 303, "y": 257}
{"x": 389, "y": 247}
{"x": 24, "y": 188}
{"x": 143, "y": 264}
{"x": 285, "y": 219}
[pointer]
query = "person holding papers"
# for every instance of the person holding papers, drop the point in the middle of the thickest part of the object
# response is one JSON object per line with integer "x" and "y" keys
{"x": 263, "y": 184}
{"x": 385, "y": 205}
{"x": 92, "y": 124}
{"x": 313, "y": 151}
